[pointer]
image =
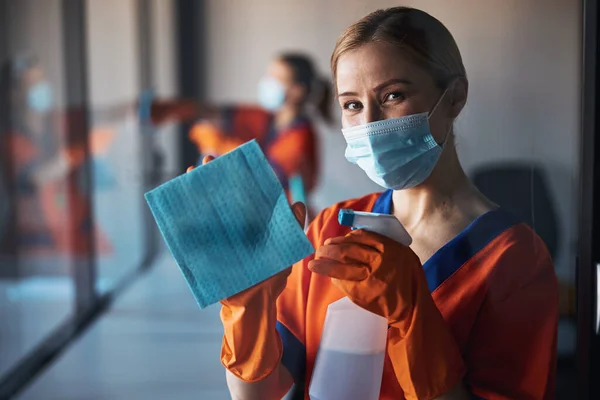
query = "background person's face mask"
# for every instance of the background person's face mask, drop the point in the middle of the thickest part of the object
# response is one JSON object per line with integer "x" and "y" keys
{"x": 397, "y": 153}
{"x": 39, "y": 97}
{"x": 271, "y": 94}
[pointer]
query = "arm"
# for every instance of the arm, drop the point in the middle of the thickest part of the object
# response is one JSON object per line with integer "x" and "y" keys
{"x": 229, "y": 128}
{"x": 290, "y": 325}
{"x": 181, "y": 110}
{"x": 253, "y": 349}
{"x": 294, "y": 153}
{"x": 210, "y": 139}
{"x": 387, "y": 278}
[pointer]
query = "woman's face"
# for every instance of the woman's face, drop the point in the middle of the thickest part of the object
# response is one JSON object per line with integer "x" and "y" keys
{"x": 39, "y": 95}
{"x": 284, "y": 74}
{"x": 377, "y": 81}
{"x": 33, "y": 76}
{"x": 280, "y": 71}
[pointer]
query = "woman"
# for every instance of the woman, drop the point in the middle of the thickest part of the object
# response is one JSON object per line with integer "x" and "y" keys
{"x": 42, "y": 173}
{"x": 472, "y": 305}
{"x": 280, "y": 123}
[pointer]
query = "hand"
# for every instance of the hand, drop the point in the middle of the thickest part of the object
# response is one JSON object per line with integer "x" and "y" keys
{"x": 100, "y": 141}
{"x": 251, "y": 347}
{"x": 277, "y": 282}
{"x": 387, "y": 278}
{"x": 375, "y": 272}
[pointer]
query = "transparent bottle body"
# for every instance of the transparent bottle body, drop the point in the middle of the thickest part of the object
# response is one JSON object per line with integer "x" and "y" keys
{"x": 349, "y": 364}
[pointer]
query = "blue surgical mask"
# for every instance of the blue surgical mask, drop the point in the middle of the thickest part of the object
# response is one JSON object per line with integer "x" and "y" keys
{"x": 397, "y": 153}
{"x": 39, "y": 97}
{"x": 271, "y": 93}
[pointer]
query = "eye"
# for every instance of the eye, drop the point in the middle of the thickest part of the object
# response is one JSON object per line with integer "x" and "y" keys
{"x": 352, "y": 106}
{"x": 394, "y": 96}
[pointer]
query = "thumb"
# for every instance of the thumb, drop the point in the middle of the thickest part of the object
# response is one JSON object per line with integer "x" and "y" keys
{"x": 299, "y": 210}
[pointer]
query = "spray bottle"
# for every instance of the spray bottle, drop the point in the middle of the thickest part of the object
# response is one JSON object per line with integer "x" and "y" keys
{"x": 349, "y": 364}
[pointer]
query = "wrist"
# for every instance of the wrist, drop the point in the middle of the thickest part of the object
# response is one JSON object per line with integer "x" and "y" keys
{"x": 251, "y": 347}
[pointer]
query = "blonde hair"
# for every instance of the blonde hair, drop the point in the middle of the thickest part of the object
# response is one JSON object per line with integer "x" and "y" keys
{"x": 422, "y": 37}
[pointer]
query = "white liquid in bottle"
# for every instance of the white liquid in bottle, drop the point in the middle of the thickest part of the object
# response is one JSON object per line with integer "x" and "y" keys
{"x": 349, "y": 363}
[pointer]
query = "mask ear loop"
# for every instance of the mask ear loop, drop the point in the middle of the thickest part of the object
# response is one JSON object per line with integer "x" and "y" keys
{"x": 438, "y": 102}
{"x": 443, "y": 144}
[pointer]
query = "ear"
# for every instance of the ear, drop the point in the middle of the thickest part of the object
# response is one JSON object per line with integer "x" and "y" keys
{"x": 458, "y": 96}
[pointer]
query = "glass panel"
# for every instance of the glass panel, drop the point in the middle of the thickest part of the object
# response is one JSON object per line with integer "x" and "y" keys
{"x": 43, "y": 210}
{"x": 113, "y": 84}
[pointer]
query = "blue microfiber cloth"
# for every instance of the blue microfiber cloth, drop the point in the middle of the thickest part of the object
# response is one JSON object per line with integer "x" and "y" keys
{"x": 228, "y": 224}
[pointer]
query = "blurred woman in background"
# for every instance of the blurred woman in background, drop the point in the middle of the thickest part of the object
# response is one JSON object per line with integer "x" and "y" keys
{"x": 280, "y": 122}
{"x": 40, "y": 166}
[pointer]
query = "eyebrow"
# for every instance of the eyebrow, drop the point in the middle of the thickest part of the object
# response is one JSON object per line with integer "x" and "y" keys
{"x": 391, "y": 82}
{"x": 380, "y": 86}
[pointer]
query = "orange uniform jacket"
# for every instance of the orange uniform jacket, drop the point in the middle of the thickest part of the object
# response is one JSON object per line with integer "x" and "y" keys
{"x": 494, "y": 285}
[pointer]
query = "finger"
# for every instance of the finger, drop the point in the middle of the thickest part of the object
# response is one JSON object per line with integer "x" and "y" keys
{"x": 337, "y": 270}
{"x": 190, "y": 168}
{"x": 207, "y": 159}
{"x": 366, "y": 238}
{"x": 349, "y": 253}
{"x": 299, "y": 210}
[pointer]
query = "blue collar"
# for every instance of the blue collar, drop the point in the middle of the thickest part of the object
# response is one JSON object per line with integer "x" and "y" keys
{"x": 454, "y": 254}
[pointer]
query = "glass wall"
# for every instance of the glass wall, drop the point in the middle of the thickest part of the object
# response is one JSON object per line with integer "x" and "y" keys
{"x": 114, "y": 84}
{"x": 44, "y": 208}
{"x": 72, "y": 168}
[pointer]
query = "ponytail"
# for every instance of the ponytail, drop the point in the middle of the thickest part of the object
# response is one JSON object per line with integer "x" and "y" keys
{"x": 318, "y": 91}
{"x": 322, "y": 98}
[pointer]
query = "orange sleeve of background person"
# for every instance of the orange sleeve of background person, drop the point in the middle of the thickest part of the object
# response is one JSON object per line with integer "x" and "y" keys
{"x": 295, "y": 152}
{"x": 209, "y": 139}
{"x": 180, "y": 110}
{"x": 234, "y": 127}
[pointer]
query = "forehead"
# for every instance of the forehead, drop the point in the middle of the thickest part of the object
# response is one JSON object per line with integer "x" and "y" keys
{"x": 32, "y": 75}
{"x": 280, "y": 70}
{"x": 374, "y": 63}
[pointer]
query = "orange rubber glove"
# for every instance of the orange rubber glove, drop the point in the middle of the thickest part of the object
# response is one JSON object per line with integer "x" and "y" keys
{"x": 252, "y": 348}
{"x": 387, "y": 278}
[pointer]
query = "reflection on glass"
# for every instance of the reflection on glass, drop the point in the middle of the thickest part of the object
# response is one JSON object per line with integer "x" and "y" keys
{"x": 43, "y": 211}
{"x": 113, "y": 84}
